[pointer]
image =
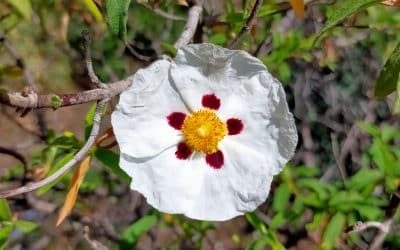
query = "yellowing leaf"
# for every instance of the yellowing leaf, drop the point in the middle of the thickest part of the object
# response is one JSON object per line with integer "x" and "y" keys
{"x": 91, "y": 6}
{"x": 24, "y": 7}
{"x": 392, "y": 2}
{"x": 69, "y": 202}
{"x": 298, "y": 7}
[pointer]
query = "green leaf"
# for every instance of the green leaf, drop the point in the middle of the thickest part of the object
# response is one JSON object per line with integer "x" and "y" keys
{"x": 111, "y": 161}
{"x": 333, "y": 231}
{"x": 56, "y": 167}
{"x": 89, "y": 120}
{"x": 256, "y": 222}
{"x": 342, "y": 10}
{"x": 5, "y": 231}
{"x": 25, "y": 226}
{"x": 365, "y": 177}
{"x": 345, "y": 200}
{"x": 56, "y": 102}
{"x": 169, "y": 49}
{"x": 389, "y": 75}
{"x": 23, "y": 6}
{"x": 5, "y": 212}
{"x": 281, "y": 198}
{"x": 131, "y": 235}
{"x": 117, "y": 14}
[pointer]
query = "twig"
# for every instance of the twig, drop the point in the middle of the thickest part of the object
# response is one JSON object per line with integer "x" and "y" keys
{"x": 17, "y": 156}
{"x": 247, "y": 25}
{"x": 361, "y": 226}
{"x": 35, "y": 101}
{"x": 190, "y": 26}
{"x": 78, "y": 157}
{"x": 335, "y": 150}
{"x": 138, "y": 55}
{"x": 162, "y": 13}
{"x": 88, "y": 60}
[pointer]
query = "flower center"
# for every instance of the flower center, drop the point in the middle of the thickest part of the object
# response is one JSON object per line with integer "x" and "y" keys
{"x": 203, "y": 130}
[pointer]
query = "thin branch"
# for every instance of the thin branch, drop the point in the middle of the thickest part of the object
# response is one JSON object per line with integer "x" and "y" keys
{"x": 190, "y": 26}
{"x": 249, "y": 23}
{"x": 78, "y": 157}
{"x": 162, "y": 13}
{"x": 88, "y": 60}
{"x": 35, "y": 101}
{"x": 19, "y": 61}
{"x": 137, "y": 54}
{"x": 19, "y": 157}
{"x": 361, "y": 226}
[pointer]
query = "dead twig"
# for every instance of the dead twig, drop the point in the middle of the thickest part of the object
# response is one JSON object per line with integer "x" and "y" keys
{"x": 88, "y": 60}
{"x": 246, "y": 27}
{"x": 190, "y": 27}
{"x": 77, "y": 158}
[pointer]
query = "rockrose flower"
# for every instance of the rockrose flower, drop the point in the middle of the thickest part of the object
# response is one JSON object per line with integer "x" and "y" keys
{"x": 204, "y": 135}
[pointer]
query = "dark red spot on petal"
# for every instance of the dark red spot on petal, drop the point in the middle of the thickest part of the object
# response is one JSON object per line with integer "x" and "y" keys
{"x": 182, "y": 151}
{"x": 176, "y": 119}
{"x": 211, "y": 101}
{"x": 215, "y": 160}
{"x": 235, "y": 126}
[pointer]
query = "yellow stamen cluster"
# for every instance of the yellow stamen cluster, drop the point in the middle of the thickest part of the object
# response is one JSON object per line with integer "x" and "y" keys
{"x": 203, "y": 130}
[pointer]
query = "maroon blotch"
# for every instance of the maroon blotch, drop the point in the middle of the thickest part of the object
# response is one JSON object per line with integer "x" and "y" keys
{"x": 235, "y": 126}
{"x": 176, "y": 119}
{"x": 215, "y": 160}
{"x": 211, "y": 101}
{"x": 182, "y": 151}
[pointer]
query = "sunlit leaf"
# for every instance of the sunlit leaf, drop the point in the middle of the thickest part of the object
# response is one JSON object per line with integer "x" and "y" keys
{"x": 70, "y": 199}
{"x": 25, "y": 226}
{"x": 5, "y": 232}
{"x": 91, "y": 6}
{"x": 342, "y": 10}
{"x": 131, "y": 235}
{"x": 298, "y": 7}
{"x": 89, "y": 120}
{"x": 111, "y": 161}
{"x": 5, "y": 212}
{"x": 389, "y": 75}
{"x": 333, "y": 231}
{"x": 56, "y": 167}
{"x": 117, "y": 14}
{"x": 23, "y": 6}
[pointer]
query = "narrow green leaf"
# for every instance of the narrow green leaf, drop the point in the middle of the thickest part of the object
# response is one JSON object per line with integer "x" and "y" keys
{"x": 56, "y": 167}
{"x": 5, "y": 231}
{"x": 89, "y": 120}
{"x": 342, "y": 10}
{"x": 281, "y": 198}
{"x": 256, "y": 222}
{"x": 5, "y": 212}
{"x": 25, "y": 226}
{"x": 389, "y": 75}
{"x": 111, "y": 161}
{"x": 91, "y": 6}
{"x": 365, "y": 177}
{"x": 117, "y": 14}
{"x": 24, "y": 7}
{"x": 333, "y": 231}
{"x": 131, "y": 235}
{"x": 169, "y": 49}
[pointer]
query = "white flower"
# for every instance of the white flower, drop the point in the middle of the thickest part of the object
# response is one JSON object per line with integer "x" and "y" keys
{"x": 204, "y": 135}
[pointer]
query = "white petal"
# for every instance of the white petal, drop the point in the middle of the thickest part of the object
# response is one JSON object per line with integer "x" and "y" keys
{"x": 240, "y": 186}
{"x": 247, "y": 91}
{"x": 140, "y": 119}
{"x": 193, "y": 188}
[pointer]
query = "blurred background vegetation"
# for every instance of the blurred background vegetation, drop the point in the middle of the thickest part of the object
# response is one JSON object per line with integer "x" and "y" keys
{"x": 347, "y": 165}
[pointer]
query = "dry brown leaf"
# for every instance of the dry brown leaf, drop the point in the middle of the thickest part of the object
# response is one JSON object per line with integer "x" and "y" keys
{"x": 298, "y": 7}
{"x": 183, "y": 2}
{"x": 70, "y": 199}
{"x": 392, "y": 3}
